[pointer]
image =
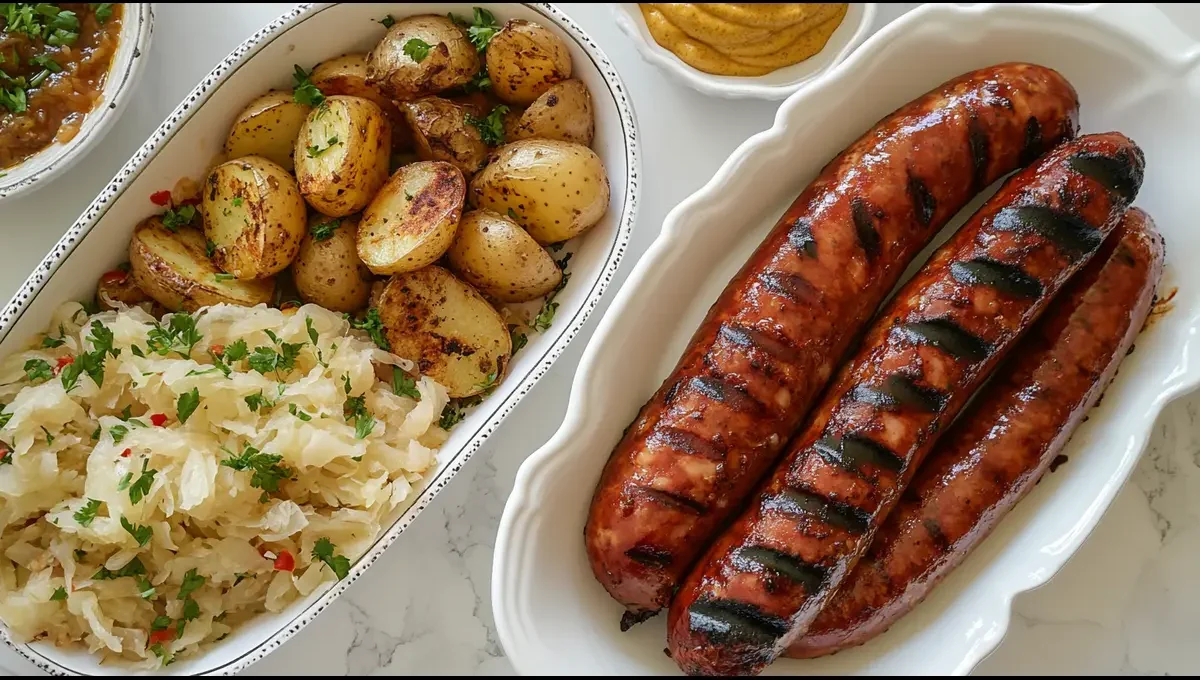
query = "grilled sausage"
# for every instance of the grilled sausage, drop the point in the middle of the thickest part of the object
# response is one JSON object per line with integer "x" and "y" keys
{"x": 773, "y": 338}
{"x": 999, "y": 448}
{"x": 765, "y": 579}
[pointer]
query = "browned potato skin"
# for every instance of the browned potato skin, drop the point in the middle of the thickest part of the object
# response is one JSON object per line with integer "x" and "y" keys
{"x": 412, "y": 220}
{"x": 347, "y": 75}
{"x": 345, "y": 187}
{"x": 192, "y": 281}
{"x": 441, "y": 133}
{"x": 563, "y": 112}
{"x": 259, "y": 236}
{"x": 447, "y": 328}
{"x": 268, "y": 127}
{"x": 524, "y": 59}
{"x": 328, "y": 272}
{"x": 452, "y": 60}
{"x": 497, "y": 257}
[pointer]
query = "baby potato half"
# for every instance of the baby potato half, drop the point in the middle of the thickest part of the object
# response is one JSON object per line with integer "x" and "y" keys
{"x": 446, "y": 328}
{"x": 555, "y": 190}
{"x": 524, "y": 59}
{"x": 268, "y": 127}
{"x": 422, "y": 55}
{"x": 347, "y": 75}
{"x": 500, "y": 259}
{"x": 412, "y": 220}
{"x": 441, "y": 133}
{"x": 327, "y": 270}
{"x": 254, "y": 216}
{"x": 563, "y": 112}
{"x": 342, "y": 154}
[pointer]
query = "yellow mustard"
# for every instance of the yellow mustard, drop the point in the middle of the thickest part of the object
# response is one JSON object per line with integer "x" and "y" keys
{"x": 742, "y": 39}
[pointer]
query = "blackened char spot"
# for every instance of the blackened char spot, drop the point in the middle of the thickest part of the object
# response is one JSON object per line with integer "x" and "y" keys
{"x": 924, "y": 204}
{"x": 672, "y": 391}
{"x": 752, "y": 338}
{"x": 729, "y": 621}
{"x": 799, "y": 503}
{"x": 1070, "y": 234}
{"x": 672, "y": 500}
{"x": 755, "y": 559}
{"x": 649, "y": 556}
{"x": 791, "y": 286}
{"x": 1006, "y": 278}
{"x": 687, "y": 443}
{"x": 801, "y": 237}
{"x": 852, "y": 451}
{"x": 935, "y": 532}
{"x": 631, "y": 619}
{"x": 946, "y": 336}
{"x": 1120, "y": 173}
{"x": 900, "y": 392}
{"x": 729, "y": 395}
{"x": 977, "y": 140}
{"x": 1033, "y": 141}
{"x": 864, "y": 226}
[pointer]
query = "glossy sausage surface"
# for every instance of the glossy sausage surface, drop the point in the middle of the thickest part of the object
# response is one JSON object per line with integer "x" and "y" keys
{"x": 763, "y": 582}
{"x": 774, "y": 337}
{"x": 1002, "y": 444}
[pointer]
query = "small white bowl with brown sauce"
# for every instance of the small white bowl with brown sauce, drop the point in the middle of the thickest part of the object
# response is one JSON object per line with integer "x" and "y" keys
{"x": 66, "y": 73}
{"x": 760, "y": 51}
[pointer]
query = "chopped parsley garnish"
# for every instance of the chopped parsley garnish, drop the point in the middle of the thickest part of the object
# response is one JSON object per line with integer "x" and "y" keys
{"x": 160, "y": 623}
{"x": 513, "y": 214}
{"x": 417, "y": 49}
{"x": 295, "y": 410}
{"x": 38, "y": 369}
{"x": 258, "y": 401}
{"x": 118, "y": 433}
{"x": 452, "y": 414}
{"x": 102, "y": 339}
{"x": 133, "y": 568}
{"x": 267, "y": 470}
{"x": 266, "y": 359}
{"x": 187, "y": 403}
{"x": 50, "y": 343}
{"x": 545, "y": 317}
{"x": 355, "y": 409}
{"x": 221, "y": 277}
{"x": 59, "y": 595}
{"x": 323, "y": 231}
{"x": 373, "y": 325}
{"x": 80, "y": 555}
{"x": 4, "y": 418}
{"x": 91, "y": 363}
{"x": 103, "y": 11}
{"x": 312, "y": 332}
{"x": 304, "y": 92}
{"x": 235, "y": 351}
{"x": 141, "y": 534}
{"x": 141, "y": 488}
{"x": 87, "y": 513}
{"x": 96, "y": 433}
{"x": 179, "y": 336}
{"x": 191, "y": 581}
{"x": 403, "y": 384}
{"x": 388, "y": 21}
{"x": 480, "y": 82}
{"x": 237, "y": 201}
{"x": 174, "y": 218}
{"x": 481, "y": 29}
{"x": 210, "y": 248}
{"x": 491, "y": 127}
{"x": 316, "y": 149}
{"x": 49, "y": 437}
{"x": 146, "y": 589}
{"x": 489, "y": 382}
{"x": 42, "y": 20}
{"x": 125, "y": 480}
{"x": 323, "y": 550}
{"x": 519, "y": 339}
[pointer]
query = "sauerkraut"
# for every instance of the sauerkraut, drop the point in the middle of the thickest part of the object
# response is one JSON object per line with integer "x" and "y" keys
{"x": 162, "y": 481}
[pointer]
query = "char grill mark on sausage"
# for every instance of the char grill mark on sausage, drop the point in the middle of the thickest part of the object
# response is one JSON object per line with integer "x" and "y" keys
{"x": 900, "y": 392}
{"x": 672, "y": 500}
{"x": 1006, "y": 278}
{"x": 687, "y": 443}
{"x": 759, "y": 558}
{"x": 775, "y": 335}
{"x": 649, "y": 555}
{"x": 736, "y": 622}
{"x": 798, "y": 502}
{"x": 1121, "y": 175}
{"x": 1033, "y": 141}
{"x": 1048, "y": 219}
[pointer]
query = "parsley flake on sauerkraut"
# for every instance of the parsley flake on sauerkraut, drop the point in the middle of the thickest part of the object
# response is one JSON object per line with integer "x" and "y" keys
{"x": 158, "y": 486}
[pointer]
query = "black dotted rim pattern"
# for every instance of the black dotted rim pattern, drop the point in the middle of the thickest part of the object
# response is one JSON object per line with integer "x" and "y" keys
{"x": 165, "y": 132}
{"x": 71, "y": 151}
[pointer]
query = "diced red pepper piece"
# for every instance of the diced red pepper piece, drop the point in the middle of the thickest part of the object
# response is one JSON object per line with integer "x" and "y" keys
{"x": 158, "y": 419}
{"x": 115, "y": 276}
{"x": 285, "y": 562}
{"x": 63, "y": 362}
{"x": 126, "y": 453}
{"x": 161, "y": 197}
{"x": 217, "y": 349}
{"x": 160, "y": 636}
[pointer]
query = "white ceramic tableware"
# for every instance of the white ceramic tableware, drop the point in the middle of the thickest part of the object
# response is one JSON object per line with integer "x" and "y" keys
{"x": 1134, "y": 71}
{"x": 184, "y": 146}
{"x": 133, "y": 48}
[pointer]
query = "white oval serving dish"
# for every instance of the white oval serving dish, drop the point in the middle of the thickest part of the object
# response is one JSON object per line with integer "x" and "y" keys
{"x": 191, "y": 137}
{"x": 860, "y": 18}
{"x": 1134, "y": 72}
{"x": 133, "y": 49}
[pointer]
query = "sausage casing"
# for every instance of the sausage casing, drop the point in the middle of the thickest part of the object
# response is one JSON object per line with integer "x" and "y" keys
{"x": 1003, "y": 443}
{"x": 774, "y": 337}
{"x": 766, "y": 578}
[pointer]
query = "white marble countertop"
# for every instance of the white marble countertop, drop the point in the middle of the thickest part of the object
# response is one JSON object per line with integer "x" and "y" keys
{"x": 1128, "y": 602}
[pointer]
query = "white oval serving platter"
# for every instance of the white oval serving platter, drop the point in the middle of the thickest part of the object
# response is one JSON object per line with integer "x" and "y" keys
{"x": 1134, "y": 71}
{"x": 192, "y": 136}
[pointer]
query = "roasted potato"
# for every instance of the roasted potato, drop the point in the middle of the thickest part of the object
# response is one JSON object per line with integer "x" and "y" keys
{"x": 412, "y": 220}
{"x": 441, "y": 133}
{"x": 254, "y": 216}
{"x": 447, "y": 328}
{"x": 438, "y": 57}
{"x": 555, "y": 190}
{"x": 563, "y": 112}
{"x": 500, "y": 259}
{"x": 268, "y": 127}
{"x": 342, "y": 155}
{"x": 173, "y": 268}
{"x": 524, "y": 59}
{"x": 347, "y": 75}
{"x": 327, "y": 271}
